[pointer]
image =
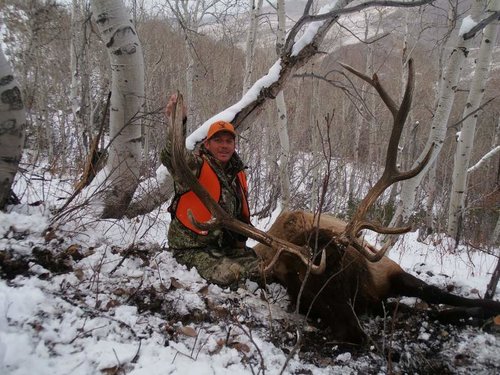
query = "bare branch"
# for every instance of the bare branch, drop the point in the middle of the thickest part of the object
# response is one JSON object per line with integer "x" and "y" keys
{"x": 495, "y": 16}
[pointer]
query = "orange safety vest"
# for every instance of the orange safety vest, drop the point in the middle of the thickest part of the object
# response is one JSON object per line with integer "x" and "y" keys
{"x": 190, "y": 201}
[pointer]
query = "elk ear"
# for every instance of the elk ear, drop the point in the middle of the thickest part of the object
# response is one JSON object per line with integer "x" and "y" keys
{"x": 294, "y": 221}
{"x": 297, "y": 228}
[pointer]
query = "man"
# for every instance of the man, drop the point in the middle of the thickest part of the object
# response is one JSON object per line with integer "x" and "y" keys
{"x": 219, "y": 255}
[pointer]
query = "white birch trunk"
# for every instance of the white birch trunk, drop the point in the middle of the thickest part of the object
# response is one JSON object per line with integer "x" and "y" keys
{"x": 127, "y": 67}
{"x": 190, "y": 76}
{"x": 496, "y": 232}
{"x": 73, "y": 88}
{"x": 189, "y": 15}
{"x": 12, "y": 128}
{"x": 315, "y": 145}
{"x": 282, "y": 115}
{"x": 255, "y": 7}
{"x": 437, "y": 134}
{"x": 284, "y": 158}
{"x": 466, "y": 137}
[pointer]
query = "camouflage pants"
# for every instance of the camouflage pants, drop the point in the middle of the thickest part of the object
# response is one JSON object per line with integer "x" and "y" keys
{"x": 224, "y": 268}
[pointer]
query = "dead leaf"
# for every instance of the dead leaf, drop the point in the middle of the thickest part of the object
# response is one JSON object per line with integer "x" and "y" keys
{"x": 37, "y": 326}
{"x": 80, "y": 275}
{"x": 203, "y": 291}
{"x": 188, "y": 331}
{"x": 241, "y": 347}
{"x": 422, "y": 305}
{"x": 50, "y": 234}
{"x": 74, "y": 251}
{"x": 496, "y": 320}
{"x": 218, "y": 348}
{"x": 120, "y": 292}
{"x": 174, "y": 283}
{"x": 112, "y": 303}
{"x": 111, "y": 370}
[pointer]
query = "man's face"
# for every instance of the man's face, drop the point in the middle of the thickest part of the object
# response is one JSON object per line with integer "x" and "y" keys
{"x": 222, "y": 146}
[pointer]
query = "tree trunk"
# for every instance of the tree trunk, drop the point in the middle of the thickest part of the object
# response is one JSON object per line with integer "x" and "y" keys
{"x": 466, "y": 137}
{"x": 284, "y": 156}
{"x": 121, "y": 173}
{"x": 492, "y": 285}
{"x": 250, "y": 42}
{"x": 12, "y": 127}
{"x": 435, "y": 142}
{"x": 315, "y": 145}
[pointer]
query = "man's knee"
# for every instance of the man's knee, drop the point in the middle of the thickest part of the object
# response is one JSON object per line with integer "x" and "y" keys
{"x": 223, "y": 271}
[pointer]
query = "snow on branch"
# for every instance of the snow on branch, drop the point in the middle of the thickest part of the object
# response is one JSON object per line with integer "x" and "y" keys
{"x": 474, "y": 29}
{"x": 295, "y": 54}
{"x": 230, "y": 113}
{"x": 483, "y": 160}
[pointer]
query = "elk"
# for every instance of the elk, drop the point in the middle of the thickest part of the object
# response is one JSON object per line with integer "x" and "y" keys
{"x": 324, "y": 259}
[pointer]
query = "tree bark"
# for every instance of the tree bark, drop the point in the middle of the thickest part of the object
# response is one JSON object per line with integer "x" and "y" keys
{"x": 121, "y": 174}
{"x": 438, "y": 127}
{"x": 492, "y": 285}
{"x": 465, "y": 140}
{"x": 315, "y": 145}
{"x": 12, "y": 128}
{"x": 250, "y": 43}
{"x": 284, "y": 156}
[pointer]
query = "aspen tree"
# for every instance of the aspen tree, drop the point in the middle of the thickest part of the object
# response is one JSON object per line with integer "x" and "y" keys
{"x": 12, "y": 127}
{"x": 466, "y": 135}
{"x": 121, "y": 172}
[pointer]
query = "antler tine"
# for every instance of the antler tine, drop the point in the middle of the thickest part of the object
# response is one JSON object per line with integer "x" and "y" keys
{"x": 220, "y": 217}
{"x": 374, "y": 256}
{"x": 391, "y": 173}
{"x": 376, "y": 84}
{"x": 316, "y": 270}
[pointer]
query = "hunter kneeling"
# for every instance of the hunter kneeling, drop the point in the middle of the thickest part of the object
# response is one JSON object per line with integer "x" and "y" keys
{"x": 219, "y": 255}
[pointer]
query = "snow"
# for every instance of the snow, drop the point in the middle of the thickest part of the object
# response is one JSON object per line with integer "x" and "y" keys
{"x": 228, "y": 114}
{"x": 483, "y": 159}
{"x": 467, "y": 24}
{"x": 84, "y": 321}
{"x": 311, "y": 30}
{"x": 266, "y": 81}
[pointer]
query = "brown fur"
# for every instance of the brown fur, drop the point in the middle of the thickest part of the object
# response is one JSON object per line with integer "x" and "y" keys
{"x": 350, "y": 285}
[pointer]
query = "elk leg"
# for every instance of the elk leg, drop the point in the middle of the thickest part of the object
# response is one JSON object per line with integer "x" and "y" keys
{"x": 404, "y": 284}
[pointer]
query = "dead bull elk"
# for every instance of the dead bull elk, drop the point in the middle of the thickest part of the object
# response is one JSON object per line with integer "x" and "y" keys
{"x": 351, "y": 277}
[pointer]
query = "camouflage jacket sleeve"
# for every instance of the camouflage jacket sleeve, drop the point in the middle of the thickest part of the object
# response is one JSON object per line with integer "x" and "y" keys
{"x": 194, "y": 161}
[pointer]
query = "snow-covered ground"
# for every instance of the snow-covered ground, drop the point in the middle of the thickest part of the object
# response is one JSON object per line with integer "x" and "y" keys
{"x": 127, "y": 307}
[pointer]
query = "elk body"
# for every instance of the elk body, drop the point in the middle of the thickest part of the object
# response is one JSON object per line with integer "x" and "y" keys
{"x": 350, "y": 285}
{"x": 337, "y": 275}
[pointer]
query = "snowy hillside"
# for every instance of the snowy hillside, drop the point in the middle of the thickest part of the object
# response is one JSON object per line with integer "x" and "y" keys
{"x": 106, "y": 296}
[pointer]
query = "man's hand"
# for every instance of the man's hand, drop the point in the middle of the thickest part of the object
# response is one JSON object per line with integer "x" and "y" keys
{"x": 172, "y": 101}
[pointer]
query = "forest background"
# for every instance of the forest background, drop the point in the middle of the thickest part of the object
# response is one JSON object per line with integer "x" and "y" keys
{"x": 210, "y": 53}
{"x": 318, "y": 146}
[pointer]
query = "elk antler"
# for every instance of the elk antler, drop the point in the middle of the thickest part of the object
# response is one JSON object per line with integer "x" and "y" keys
{"x": 391, "y": 173}
{"x": 220, "y": 217}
